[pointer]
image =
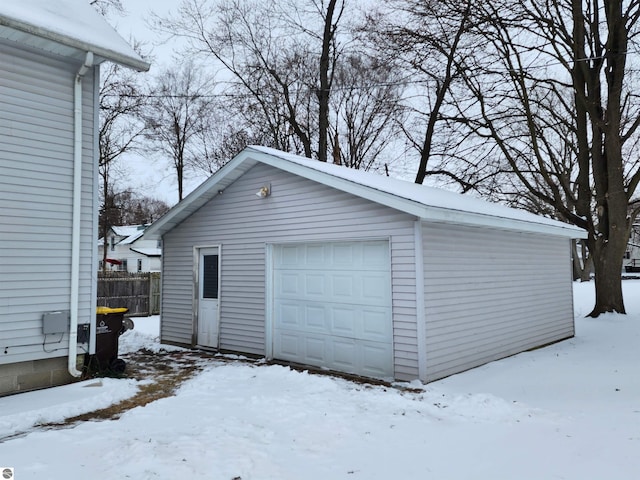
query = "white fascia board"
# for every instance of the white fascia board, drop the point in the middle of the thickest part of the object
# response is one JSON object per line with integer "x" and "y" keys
{"x": 441, "y": 215}
{"x": 420, "y": 210}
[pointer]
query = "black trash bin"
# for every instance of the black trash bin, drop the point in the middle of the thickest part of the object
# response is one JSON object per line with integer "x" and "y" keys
{"x": 110, "y": 324}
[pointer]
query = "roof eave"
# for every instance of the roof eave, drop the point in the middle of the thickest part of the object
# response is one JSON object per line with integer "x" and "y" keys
{"x": 424, "y": 212}
{"x": 441, "y": 215}
{"x": 130, "y": 61}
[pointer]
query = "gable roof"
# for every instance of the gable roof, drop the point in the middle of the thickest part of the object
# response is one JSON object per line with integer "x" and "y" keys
{"x": 130, "y": 233}
{"x": 69, "y": 28}
{"x": 426, "y": 203}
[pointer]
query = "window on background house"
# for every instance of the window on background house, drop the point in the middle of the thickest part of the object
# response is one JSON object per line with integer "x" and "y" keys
{"x": 627, "y": 255}
{"x": 139, "y": 264}
{"x": 159, "y": 243}
{"x": 123, "y": 266}
{"x": 113, "y": 243}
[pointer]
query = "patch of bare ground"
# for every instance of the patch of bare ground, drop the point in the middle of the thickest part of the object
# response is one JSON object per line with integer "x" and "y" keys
{"x": 160, "y": 375}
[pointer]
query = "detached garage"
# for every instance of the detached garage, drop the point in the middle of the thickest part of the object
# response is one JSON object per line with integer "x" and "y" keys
{"x": 316, "y": 264}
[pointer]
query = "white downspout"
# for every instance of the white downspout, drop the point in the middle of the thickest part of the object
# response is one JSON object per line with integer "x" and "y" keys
{"x": 77, "y": 208}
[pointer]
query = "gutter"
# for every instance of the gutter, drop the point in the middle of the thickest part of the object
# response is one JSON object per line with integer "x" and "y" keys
{"x": 74, "y": 303}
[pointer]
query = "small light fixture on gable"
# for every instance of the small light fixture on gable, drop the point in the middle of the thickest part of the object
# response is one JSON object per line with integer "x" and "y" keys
{"x": 264, "y": 191}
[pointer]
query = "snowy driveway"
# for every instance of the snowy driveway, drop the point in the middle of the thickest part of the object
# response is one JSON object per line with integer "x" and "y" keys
{"x": 568, "y": 411}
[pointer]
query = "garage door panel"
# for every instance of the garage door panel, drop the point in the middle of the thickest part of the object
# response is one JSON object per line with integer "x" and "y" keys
{"x": 288, "y": 255}
{"x": 314, "y": 285}
{"x": 314, "y": 255}
{"x": 315, "y": 318}
{"x": 375, "y": 289}
{"x": 287, "y": 346}
{"x": 375, "y": 325}
{"x": 344, "y": 321}
{"x": 375, "y": 255}
{"x": 289, "y": 315}
{"x": 373, "y": 355}
{"x": 340, "y": 294}
{"x": 370, "y": 256}
{"x": 345, "y": 355}
{"x": 342, "y": 287}
{"x": 315, "y": 349}
{"x": 343, "y": 255}
{"x": 289, "y": 283}
{"x": 300, "y": 316}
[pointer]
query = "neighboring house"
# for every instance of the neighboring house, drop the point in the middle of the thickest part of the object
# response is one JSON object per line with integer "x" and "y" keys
{"x": 50, "y": 54}
{"x": 128, "y": 251}
{"x": 631, "y": 260}
{"x": 316, "y": 264}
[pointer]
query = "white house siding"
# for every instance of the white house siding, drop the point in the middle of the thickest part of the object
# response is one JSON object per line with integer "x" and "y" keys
{"x": 36, "y": 170}
{"x": 150, "y": 263}
{"x": 492, "y": 293}
{"x": 298, "y": 210}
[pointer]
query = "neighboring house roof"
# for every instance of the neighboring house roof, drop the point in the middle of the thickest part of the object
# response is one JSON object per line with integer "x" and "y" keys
{"x": 424, "y": 202}
{"x": 149, "y": 252}
{"x": 128, "y": 230}
{"x": 128, "y": 233}
{"x": 131, "y": 238}
{"x": 66, "y": 27}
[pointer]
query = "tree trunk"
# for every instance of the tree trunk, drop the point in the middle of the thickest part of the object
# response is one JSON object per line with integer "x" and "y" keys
{"x": 325, "y": 84}
{"x": 607, "y": 262}
{"x": 575, "y": 263}
{"x": 587, "y": 262}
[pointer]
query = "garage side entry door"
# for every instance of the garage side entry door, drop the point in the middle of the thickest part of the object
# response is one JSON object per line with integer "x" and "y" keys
{"x": 332, "y": 306}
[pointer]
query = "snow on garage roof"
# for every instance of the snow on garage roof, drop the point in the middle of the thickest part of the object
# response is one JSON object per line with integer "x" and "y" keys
{"x": 426, "y": 203}
{"x": 66, "y": 27}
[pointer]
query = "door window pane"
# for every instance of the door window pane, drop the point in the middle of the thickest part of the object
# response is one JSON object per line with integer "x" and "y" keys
{"x": 210, "y": 276}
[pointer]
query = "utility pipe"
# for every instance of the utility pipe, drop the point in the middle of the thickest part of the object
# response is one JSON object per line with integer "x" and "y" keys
{"x": 76, "y": 217}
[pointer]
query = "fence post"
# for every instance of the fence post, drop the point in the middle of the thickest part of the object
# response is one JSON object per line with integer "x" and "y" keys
{"x": 150, "y": 294}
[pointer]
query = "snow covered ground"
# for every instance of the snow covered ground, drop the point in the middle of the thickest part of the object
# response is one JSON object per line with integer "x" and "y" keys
{"x": 568, "y": 411}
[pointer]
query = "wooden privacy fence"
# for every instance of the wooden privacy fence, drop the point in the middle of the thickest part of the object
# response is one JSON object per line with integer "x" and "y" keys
{"x": 139, "y": 292}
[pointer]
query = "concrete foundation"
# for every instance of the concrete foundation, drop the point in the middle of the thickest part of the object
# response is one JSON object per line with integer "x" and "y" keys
{"x": 25, "y": 376}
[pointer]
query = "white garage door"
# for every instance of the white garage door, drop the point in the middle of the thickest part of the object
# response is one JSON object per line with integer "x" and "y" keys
{"x": 332, "y": 306}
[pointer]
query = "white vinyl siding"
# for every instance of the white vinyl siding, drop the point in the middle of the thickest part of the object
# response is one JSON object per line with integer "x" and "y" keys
{"x": 36, "y": 177}
{"x": 492, "y": 293}
{"x": 298, "y": 210}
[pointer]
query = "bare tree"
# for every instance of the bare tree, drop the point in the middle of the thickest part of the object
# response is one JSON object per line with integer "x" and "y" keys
{"x": 556, "y": 95}
{"x": 121, "y": 102}
{"x": 426, "y": 41}
{"x": 281, "y": 55}
{"x": 107, "y": 6}
{"x": 129, "y": 208}
{"x": 366, "y": 105}
{"x": 178, "y": 113}
{"x": 220, "y": 142}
